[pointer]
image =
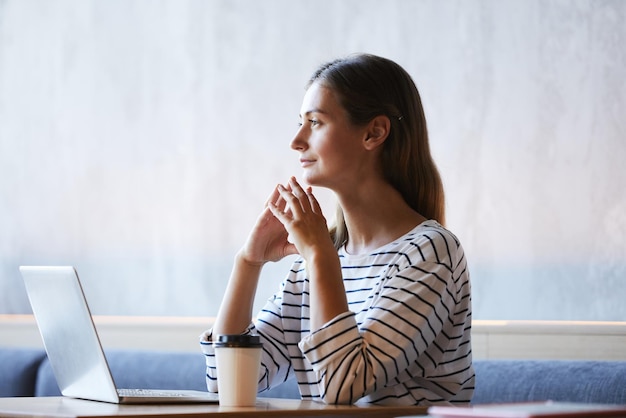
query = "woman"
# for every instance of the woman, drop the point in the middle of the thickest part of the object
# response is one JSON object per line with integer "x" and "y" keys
{"x": 379, "y": 309}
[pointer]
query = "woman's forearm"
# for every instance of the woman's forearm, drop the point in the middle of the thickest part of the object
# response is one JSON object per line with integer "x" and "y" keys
{"x": 235, "y": 313}
{"x": 327, "y": 293}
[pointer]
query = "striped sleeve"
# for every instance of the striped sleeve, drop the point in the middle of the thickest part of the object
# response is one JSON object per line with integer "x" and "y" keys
{"x": 406, "y": 339}
{"x": 276, "y": 364}
{"x": 403, "y": 338}
{"x": 206, "y": 345}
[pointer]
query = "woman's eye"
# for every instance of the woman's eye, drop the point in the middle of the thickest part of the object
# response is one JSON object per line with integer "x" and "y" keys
{"x": 312, "y": 122}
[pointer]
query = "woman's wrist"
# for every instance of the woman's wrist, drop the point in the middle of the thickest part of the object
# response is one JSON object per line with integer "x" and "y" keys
{"x": 243, "y": 260}
{"x": 235, "y": 313}
{"x": 322, "y": 255}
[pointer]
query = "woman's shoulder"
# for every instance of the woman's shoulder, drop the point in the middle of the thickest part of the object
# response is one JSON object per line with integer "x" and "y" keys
{"x": 433, "y": 242}
{"x": 431, "y": 230}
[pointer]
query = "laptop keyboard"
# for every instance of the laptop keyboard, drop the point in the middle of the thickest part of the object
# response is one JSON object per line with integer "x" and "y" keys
{"x": 154, "y": 393}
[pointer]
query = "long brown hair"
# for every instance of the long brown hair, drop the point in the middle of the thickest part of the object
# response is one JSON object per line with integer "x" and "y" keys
{"x": 368, "y": 86}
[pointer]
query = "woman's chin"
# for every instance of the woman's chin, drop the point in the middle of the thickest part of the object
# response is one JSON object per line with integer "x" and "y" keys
{"x": 307, "y": 177}
{"x": 310, "y": 179}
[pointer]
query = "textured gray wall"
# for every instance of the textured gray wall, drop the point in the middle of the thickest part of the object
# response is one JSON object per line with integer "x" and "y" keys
{"x": 139, "y": 140}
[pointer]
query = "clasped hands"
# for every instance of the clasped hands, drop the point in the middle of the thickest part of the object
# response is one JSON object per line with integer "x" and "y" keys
{"x": 291, "y": 223}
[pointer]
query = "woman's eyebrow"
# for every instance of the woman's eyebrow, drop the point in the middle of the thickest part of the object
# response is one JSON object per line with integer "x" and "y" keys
{"x": 315, "y": 110}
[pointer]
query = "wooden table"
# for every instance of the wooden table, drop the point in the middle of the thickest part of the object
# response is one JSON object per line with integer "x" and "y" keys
{"x": 266, "y": 407}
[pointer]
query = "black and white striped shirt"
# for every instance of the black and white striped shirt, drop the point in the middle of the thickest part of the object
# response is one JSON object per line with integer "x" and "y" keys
{"x": 405, "y": 339}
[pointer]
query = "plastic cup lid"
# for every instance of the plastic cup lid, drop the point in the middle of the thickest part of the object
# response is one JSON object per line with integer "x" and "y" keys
{"x": 238, "y": 340}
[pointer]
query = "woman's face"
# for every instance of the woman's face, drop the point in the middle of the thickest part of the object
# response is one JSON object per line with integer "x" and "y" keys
{"x": 330, "y": 146}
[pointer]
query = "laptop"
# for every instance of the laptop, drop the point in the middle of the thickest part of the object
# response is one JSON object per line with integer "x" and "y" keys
{"x": 73, "y": 346}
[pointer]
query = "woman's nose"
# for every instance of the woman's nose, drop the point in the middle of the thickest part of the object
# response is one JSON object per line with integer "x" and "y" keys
{"x": 298, "y": 142}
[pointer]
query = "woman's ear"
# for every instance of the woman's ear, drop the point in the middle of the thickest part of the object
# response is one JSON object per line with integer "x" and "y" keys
{"x": 377, "y": 132}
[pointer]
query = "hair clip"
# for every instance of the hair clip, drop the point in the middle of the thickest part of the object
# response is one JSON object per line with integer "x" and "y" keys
{"x": 400, "y": 117}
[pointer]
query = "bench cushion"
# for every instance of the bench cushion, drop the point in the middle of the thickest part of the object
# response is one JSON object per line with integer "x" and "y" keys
{"x": 18, "y": 371}
{"x": 559, "y": 380}
{"x": 141, "y": 370}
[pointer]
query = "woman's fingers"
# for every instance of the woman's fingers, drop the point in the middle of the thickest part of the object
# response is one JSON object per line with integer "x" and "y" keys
{"x": 301, "y": 195}
{"x": 315, "y": 205}
{"x": 298, "y": 191}
{"x": 277, "y": 200}
{"x": 292, "y": 200}
{"x": 278, "y": 213}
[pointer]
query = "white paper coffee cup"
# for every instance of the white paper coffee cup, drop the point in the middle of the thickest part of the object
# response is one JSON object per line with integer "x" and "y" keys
{"x": 238, "y": 359}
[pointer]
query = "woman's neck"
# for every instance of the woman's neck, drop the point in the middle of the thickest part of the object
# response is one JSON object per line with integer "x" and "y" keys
{"x": 376, "y": 216}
